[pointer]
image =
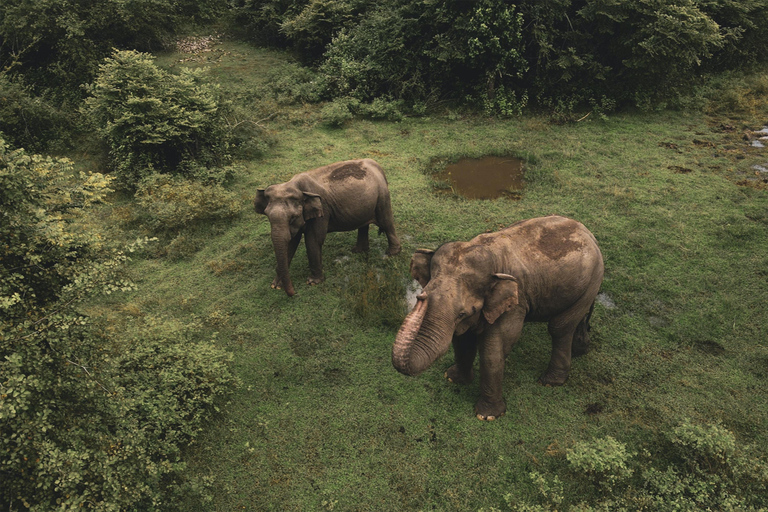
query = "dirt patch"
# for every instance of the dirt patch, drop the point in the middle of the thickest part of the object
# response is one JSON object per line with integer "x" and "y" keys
{"x": 489, "y": 177}
{"x": 354, "y": 171}
{"x": 709, "y": 347}
{"x": 556, "y": 243}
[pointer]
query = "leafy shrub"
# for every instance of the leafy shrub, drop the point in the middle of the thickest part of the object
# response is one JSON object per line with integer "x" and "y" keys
{"x": 605, "y": 460}
{"x": 338, "y": 112}
{"x": 154, "y": 121}
{"x": 28, "y": 120}
{"x": 411, "y": 51}
{"x": 557, "y": 54}
{"x": 694, "y": 467}
{"x": 79, "y": 428}
{"x": 58, "y": 44}
{"x": 168, "y": 203}
{"x": 42, "y": 198}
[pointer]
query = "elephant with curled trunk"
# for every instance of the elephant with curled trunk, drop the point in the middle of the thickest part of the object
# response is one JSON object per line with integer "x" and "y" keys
{"x": 343, "y": 196}
{"x": 477, "y": 295}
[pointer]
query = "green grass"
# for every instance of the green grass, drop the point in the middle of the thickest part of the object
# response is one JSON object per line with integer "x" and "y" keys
{"x": 323, "y": 422}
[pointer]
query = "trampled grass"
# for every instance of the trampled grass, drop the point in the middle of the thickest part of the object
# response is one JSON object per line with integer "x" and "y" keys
{"x": 323, "y": 422}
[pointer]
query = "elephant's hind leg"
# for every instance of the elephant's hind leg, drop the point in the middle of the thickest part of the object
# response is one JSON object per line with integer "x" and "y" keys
{"x": 564, "y": 329}
{"x": 580, "y": 345}
{"x": 362, "y": 240}
{"x": 386, "y": 222}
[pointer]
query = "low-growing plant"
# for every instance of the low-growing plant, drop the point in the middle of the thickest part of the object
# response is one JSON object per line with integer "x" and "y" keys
{"x": 605, "y": 460}
{"x": 696, "y": 467}
{"x": 378, "y": 293}
{"x": 168, "y": 203}
{"x": 338, "y": 112}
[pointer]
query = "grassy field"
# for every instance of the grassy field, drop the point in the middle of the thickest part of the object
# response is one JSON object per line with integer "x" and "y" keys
{"x": 322, "y": 421}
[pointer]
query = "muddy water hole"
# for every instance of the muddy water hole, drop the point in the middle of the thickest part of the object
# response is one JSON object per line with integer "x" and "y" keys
{"x": 488, "y": 177}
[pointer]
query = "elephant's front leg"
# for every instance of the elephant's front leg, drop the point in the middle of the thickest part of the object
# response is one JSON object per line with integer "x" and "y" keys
{"x": 496, "y": 344}
{"x": 292, "y": 246}
{"x": 491, "y": 404}
{"x": 314, "y": 239}
{"x": 464, "y": 351}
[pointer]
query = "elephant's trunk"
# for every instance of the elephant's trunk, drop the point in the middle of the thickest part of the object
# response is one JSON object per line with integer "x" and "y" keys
{"x": 421, "y": 338}
{"x": 280, "y": 245}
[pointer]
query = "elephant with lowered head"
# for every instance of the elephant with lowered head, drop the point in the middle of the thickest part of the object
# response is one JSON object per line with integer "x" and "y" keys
{"x": 343, "y": 196}
{"x": 477, "y": 295}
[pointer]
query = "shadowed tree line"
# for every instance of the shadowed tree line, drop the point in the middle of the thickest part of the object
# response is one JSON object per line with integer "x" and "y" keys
{"x": 491, "y": 55}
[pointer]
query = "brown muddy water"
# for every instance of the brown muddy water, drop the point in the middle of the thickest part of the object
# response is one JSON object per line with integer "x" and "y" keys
{"x": 485, "y": 178}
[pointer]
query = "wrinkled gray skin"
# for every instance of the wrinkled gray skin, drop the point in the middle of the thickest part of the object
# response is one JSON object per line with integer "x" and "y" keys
{"x": 343, "y": 196}
{"x": 477, "y": 295}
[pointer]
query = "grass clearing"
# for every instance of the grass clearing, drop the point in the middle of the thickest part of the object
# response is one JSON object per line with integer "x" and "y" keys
{"x": 323, "y": 422}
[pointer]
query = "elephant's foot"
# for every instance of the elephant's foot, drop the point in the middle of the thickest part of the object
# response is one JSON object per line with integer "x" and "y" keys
{"x": 358, "y": 249}
{"x": 311, "y": 281}
{"x": 553, "y": 378}
{"x": 456, "y": 376}
{"x": 277, "y": 285}
{"x": 393, "y": 249}
{"x": 489, "y": 411}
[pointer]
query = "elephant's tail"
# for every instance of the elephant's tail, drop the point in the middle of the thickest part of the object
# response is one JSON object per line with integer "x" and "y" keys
{"x": 580, "y": 345}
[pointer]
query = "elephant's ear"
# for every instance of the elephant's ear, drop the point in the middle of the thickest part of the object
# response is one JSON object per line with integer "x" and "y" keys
{"x": 501, "y": 297}
{"x": 313, "y": 206}
{"x": 261, "y": 201}
{"x": 420, "y": 263}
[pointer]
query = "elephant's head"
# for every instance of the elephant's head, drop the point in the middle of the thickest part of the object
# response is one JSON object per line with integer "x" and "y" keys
{"x": 288, "y": 208}
{"x": 460, "y": 291}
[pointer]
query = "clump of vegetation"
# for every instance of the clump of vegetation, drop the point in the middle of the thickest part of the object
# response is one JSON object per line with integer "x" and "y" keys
{"x": 696, "y": 467}
{"x": 168, "y": 203}
{"x": 57, "y": 45}
{"x": 155, "y": 122}
{"x": 377, "y": 294}
{"x": 498, "y": 57}
{"x": 79, "y": 426}
{"x": 28, "y": 120}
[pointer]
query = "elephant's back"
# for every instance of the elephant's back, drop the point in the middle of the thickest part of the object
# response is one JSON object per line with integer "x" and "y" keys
{"x": 552, "y": 245}
{"x": 349, "y": 173}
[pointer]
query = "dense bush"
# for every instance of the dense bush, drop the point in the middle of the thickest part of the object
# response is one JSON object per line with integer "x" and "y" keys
{"x": 61, "y": 42}
{"x": 413, "y": 50}
{"x": 28, "y": 120}
{"x": 154, "y": 121}
{"x": 81, "y": 428}
{"x": 559, "y": 54}
{"x": 693, "y": 467}
{"x": 169, "y": 203}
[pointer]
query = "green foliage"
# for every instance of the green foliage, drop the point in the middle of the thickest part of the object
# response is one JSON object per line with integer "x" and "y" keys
{"x": 497, "y": 55}
{"x": 414, "y": 50}
{"x": 604, "y": 460}
{"x": 42, "y": 198}
{"x": 378, "y": 294}
{"x": 698, "y": 467}
{"x": 27, "y": 120}
{"x": 81, "y": 428}
{"x": 58, "y": 44}
{"x": 338, "y": 111}
{"x": 168, "y": 203}
{"x": 154, "y": 121}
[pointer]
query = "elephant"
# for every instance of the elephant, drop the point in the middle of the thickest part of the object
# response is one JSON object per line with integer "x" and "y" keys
{"x": 476, "y": 296}
{"x": 342, "y": 196}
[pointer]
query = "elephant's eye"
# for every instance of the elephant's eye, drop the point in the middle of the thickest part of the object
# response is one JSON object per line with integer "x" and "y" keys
{"x": 462, "y": 314}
